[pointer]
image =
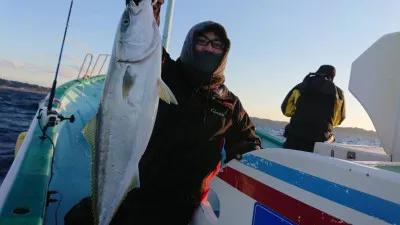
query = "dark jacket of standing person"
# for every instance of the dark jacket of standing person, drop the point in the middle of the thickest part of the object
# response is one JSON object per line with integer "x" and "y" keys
{"x": 315, "y": 106}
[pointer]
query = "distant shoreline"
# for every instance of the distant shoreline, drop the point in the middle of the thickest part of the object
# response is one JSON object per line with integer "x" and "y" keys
{"x": 347, "y": 131}
{"x": 21, "y": 86}
{"x": 32, "y": 88}
{"x": 24, "y": 90}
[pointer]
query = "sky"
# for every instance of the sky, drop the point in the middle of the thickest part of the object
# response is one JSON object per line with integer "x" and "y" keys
{"x": 274, "y": 43}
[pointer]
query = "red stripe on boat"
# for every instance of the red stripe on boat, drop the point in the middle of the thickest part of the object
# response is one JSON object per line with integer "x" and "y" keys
{"x": 287, "y": 206}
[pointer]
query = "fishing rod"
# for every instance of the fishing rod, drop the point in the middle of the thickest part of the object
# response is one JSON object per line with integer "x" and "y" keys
{"x": 52, "y": 118}
{"x": 53, "y": 88}
{"x": 49, "y": 118}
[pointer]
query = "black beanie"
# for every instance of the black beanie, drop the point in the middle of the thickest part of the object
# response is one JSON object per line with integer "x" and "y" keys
{"x": 327, "y": 70}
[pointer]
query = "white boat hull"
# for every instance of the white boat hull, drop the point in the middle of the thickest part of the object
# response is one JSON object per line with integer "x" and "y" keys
{"x": 280, "y": 186}
{"x": 352, "y": 152}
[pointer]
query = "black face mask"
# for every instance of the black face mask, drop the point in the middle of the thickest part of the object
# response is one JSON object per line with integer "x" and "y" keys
{"x": 206, "y": 61}
{"x": 201, "y": 71}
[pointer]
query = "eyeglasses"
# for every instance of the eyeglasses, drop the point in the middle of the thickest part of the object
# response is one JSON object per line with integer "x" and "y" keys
{"x": 218, "y": 44}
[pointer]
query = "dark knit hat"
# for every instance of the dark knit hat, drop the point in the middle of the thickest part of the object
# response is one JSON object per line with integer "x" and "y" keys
{"x": 327, "y": 70}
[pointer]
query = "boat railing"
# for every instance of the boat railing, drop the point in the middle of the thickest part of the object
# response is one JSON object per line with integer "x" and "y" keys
{"x": 89, "y": 57}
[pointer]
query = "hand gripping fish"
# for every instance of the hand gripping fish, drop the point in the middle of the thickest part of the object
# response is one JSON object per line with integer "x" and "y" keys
{"x": 122, "y": 127}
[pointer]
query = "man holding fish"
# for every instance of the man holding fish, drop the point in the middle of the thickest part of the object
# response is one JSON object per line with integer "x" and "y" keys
{"x": 196, "y": 117}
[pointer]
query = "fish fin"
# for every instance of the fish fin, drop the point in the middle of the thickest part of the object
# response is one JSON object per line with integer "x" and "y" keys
{"x": 135, "y": 182}
{"x": 165, "y": 93}
{"x": 127, "y": 83}
{"x": 89, "y": 131}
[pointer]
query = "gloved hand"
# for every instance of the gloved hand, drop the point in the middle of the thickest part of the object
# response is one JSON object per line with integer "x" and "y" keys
{"x": 331, "y": 139}
{"x": 239, "y": 149}
{"x": 156, "y": 8}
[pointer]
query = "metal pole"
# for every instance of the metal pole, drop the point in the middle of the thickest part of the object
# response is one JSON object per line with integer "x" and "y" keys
{"x": 168, "y": 23}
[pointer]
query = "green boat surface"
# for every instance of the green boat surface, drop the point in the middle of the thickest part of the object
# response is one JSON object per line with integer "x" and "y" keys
{"x": 28, "y": 191}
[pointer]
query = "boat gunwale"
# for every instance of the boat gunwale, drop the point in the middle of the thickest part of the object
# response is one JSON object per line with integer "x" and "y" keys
{"x": 24, "y": 173}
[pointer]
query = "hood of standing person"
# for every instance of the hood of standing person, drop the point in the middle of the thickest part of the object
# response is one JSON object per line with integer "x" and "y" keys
{"x": 204, "y": 68}
{"x": 328, "y": 71}
{"x": 315, "y": 83}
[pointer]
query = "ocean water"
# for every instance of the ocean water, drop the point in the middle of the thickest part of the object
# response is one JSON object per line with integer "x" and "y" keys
{"x": 17, "y": 110}
{"x": 343, "y": 139}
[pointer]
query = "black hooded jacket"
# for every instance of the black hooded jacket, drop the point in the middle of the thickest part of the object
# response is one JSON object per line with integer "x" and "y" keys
{"x": 315, "y": 106}
{"x": 185, "y": 146}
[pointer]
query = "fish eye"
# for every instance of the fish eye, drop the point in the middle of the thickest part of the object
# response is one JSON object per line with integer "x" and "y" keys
{"x": 126, "y": 18}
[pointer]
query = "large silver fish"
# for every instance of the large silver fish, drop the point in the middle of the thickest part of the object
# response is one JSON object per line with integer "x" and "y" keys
{"x": 121, "y": 130}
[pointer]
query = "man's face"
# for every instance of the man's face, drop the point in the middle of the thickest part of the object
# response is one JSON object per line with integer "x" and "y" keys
{"x": 209, "y": 42}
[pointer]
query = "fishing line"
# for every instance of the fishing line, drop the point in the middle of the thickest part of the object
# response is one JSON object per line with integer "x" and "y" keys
{"x": 54, "y": 149}
{"x": 49, "y": 200}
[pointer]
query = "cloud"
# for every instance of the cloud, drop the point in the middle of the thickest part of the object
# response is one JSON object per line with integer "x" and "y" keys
{"x": 14, "y": 64}
{"x": 72, "y": 66}
{"x": 34, "y": 68}
{"x": 74, "y": 59}
{"x": 69, "y": 68}
{"x": 80, "y": 45}
{"x": 68, "y": 72}
{"x": 64, "y": 71}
